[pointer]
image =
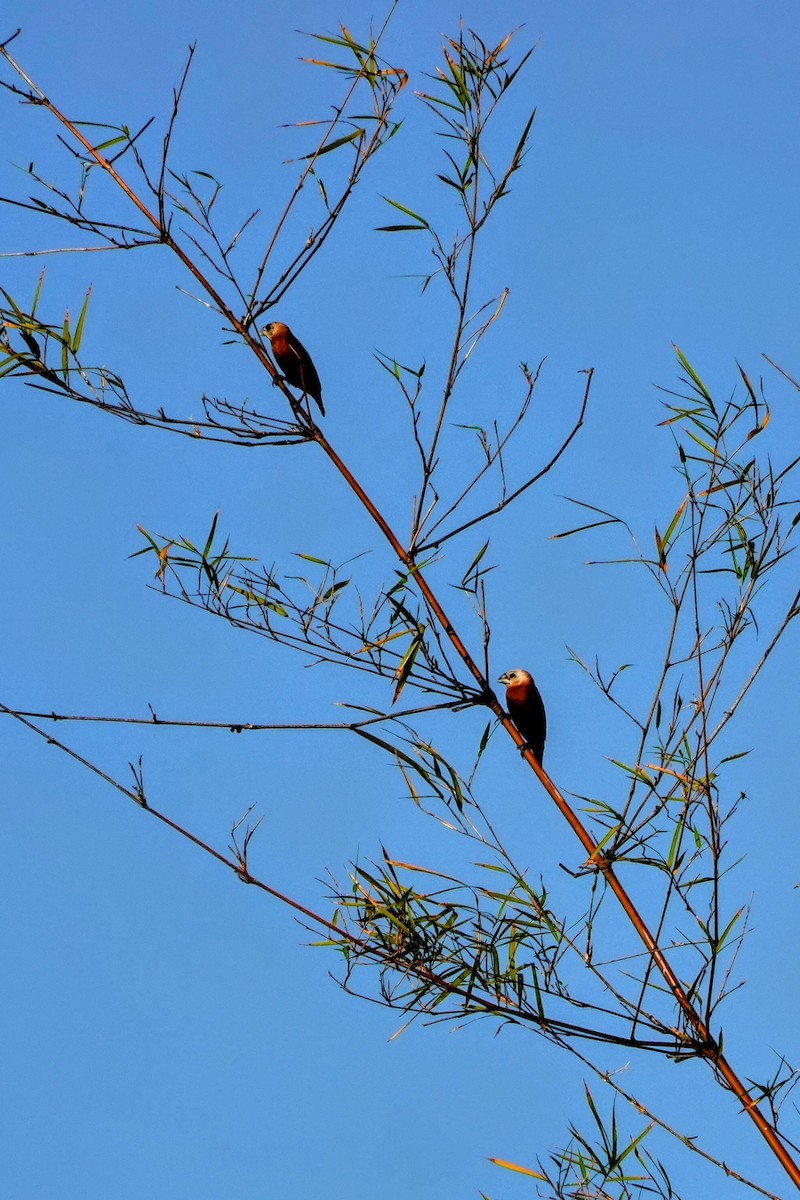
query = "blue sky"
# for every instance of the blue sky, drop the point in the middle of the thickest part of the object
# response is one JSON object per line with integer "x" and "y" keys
{"x": 168, "y": 1031}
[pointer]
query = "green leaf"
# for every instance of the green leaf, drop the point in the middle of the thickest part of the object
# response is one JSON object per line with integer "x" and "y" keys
{"x": 636, "y": 772}
{"x": 582, "y": 528}
{"x": 115, "y": 141}
{"x": 408, "y": 212}
{"x": 674, "y": 521}
{"x": 673, "y": 849}
{"x": 474, "y": 563}
{"x": 406, "y": 665}
{"x": 332, "y": 591}
{"x": 65, "y": 344}
{"x": 723, "y": 936}
{"x": 210, "y": 538}
{"x": 451, "y": 183}
{"x": 708, "y": 449}
{"x": 342, "y": 141}
{"x": 517, "y": 155}
{"x": 37, "y": 293}
{"x": 695, "y": 378}
{"x": 77, "y": 336}
{"x": 308, "y": 558}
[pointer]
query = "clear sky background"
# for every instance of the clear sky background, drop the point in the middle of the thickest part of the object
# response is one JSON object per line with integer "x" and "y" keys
{"x": 168, "y": 1032}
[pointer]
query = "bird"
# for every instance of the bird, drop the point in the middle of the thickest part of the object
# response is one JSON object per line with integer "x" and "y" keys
{"x": 294, "y": 360}
{"x": 526, "y": 709}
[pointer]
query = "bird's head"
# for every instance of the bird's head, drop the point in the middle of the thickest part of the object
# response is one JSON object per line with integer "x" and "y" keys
{"x": 516, "y": 678}
{"x": 275, "y": 329}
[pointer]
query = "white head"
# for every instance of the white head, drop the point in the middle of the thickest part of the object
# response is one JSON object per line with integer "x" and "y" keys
{"x": 274, "y": 329}
{"x": 516, "y": 678}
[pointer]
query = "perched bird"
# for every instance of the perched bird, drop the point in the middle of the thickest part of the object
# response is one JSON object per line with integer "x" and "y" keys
{"x": 294, "y": 360}
{"x": 526, "y": 709}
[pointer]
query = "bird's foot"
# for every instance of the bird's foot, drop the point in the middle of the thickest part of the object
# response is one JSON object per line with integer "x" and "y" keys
{"x": 524, "y": 750}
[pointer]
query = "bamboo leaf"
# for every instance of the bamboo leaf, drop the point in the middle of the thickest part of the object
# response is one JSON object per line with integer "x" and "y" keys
{"x": 634, "y": 1143}
{"x": 673, "y": 523}
{"x": 509, "y": 1166}
{"x": 334, "y": 589}
{"x": 662, "y": 561}
{"x": 210, "y": 538}
{"x": 474, "y": 563}
{"x": 672, "y": 860}
{"x": 700, "y": 442}
{"x": 636, "y": 772}
{"x": 724, "y": 935}
{"x": 78, "y": 335}
{"x": 518, "y": 153}
{"x": 355, "y": 135}
{"x": 409, "y": 212}
{"x": 695, "y": 378}
{"x": 747, "y": 383}
{"x": 309, "y": 558}
{"x": 760, "y": 427}
{"x": 65, "y": 344}
{"x": 582, "y": 528}
{"x": 37, "y": 293}
{"x": 115, "y": 141}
